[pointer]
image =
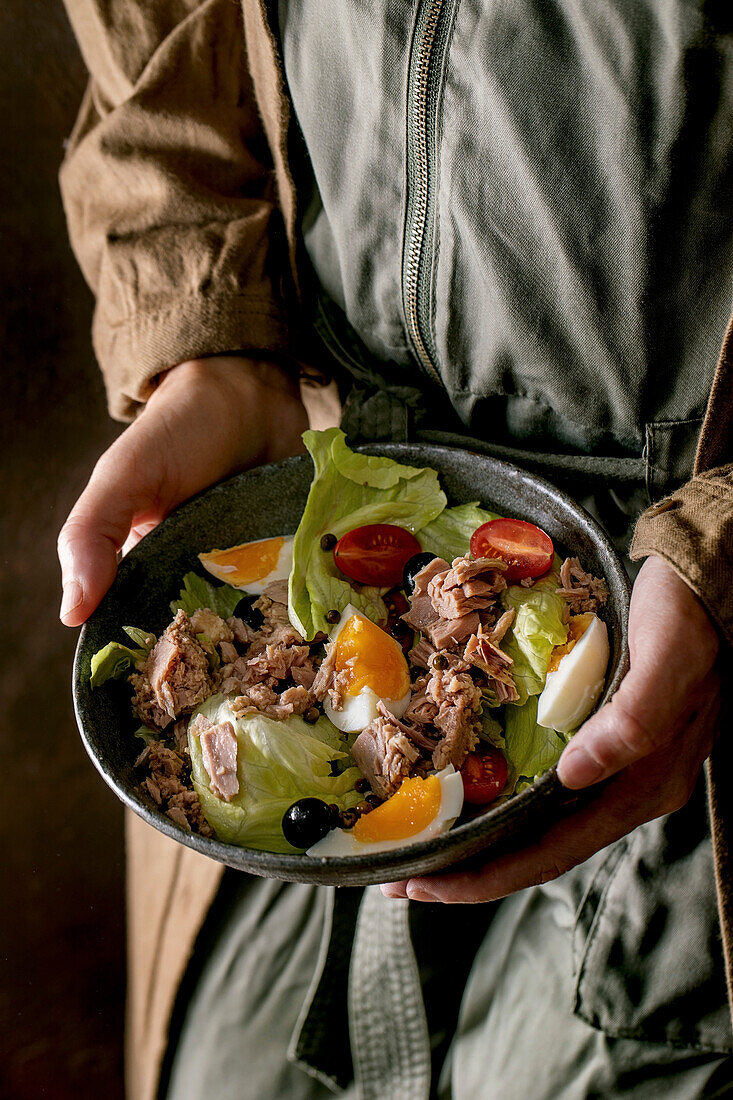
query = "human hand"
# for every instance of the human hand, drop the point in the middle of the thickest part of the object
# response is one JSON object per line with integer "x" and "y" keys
{"x": 208, "y": 418}
{"x": 651, "y": 738}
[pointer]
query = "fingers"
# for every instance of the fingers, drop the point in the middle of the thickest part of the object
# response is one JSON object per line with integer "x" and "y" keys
{"x": 96, "y": 529}
{"x": 673, "y": 646}
{"x": 658, "y": 785}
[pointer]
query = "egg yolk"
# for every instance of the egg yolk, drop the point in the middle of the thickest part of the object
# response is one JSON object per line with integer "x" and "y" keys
{"x": 368, "y": 657}
{"x": 406, "y": 813}
{"x": 576, "y": 629}
{"x": 249, "y": 562}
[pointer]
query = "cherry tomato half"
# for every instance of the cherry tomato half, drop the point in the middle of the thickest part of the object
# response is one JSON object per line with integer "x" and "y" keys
{"x": 526, "y": 549}
{"x": 376, "y": 553}
{"x": 484, "y": 776}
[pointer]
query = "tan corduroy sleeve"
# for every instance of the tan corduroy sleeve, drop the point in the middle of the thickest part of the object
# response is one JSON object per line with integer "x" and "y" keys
{"x": 693, "y": 531}
{"x": 169, "y": 192}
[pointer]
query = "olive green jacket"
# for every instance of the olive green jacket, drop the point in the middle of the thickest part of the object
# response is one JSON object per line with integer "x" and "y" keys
{"x": 181, "y": 208}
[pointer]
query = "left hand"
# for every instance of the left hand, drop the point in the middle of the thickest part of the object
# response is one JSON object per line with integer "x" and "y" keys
{"x": 652, "y": 738}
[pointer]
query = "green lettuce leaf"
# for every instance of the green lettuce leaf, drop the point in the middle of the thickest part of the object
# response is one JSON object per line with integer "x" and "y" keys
{"x": 449, "y": 534}
{"x": 537, "y": 628}
{"x": 114, "y": 661}
{"x": 143, "y": 639}
{"x": 197, "y": 594}
{"x": 530, "y": 749}
{"x": 349, "y": 490}
{"x": 277, "y": 763}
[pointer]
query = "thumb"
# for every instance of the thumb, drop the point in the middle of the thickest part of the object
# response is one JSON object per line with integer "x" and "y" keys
{"x": 96, "y": 529}
{"x": 673, "y": 647}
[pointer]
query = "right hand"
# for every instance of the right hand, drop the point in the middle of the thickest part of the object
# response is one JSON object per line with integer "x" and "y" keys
{"x": 207, "y": 419}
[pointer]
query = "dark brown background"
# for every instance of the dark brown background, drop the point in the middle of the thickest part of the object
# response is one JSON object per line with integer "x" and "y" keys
{"x": 62, "y": 909}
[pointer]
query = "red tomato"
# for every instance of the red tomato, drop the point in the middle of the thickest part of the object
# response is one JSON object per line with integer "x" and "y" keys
{"x": 484, "y": 776}
{"x": 376, "y": 553}
{"x": 526, "y": 549}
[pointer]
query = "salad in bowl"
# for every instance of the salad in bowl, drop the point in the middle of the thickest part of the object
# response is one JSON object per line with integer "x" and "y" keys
{"x": 395, "y": 667}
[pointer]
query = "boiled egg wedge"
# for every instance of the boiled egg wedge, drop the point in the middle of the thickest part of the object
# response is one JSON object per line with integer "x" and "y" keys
{"x": 576, "y": 676}
{"x": 420, "y": 810}
{"x": 251, "y": 566}
{"x": 372, "y": 666}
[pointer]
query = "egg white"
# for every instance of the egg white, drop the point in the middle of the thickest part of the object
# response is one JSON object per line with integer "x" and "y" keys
{"x": 359, "y": 710}
{"x": 571, "y": 692}
{"x": 342, "y": 842}
{"x": 281, "y": 572}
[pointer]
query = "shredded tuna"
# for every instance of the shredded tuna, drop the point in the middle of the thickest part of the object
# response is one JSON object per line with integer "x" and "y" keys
{"x": 467, "y": 586}
{"x": 229, "y": 652}
{"x": 219, "y": 755}
{"x": 447, "y": 633}
{"x": 276, "y": 627}
{"x": 420, "y": 654}
{"x": 384, "y": 754}
{"x": 330, "y": 682}
{"x": 175, "y": 677}
{"x": 500, "y": 627}
{"x": 422, "y": 615}
{"x": 242, "y": 633}
{"x": 582, "y": 590}
{"x": 458, "y": 700}
{"x": 481, "y": 652}
{"x": 206, "y": 622}
{"x": 169, "y": 785}
{"x": 261, "y": 699}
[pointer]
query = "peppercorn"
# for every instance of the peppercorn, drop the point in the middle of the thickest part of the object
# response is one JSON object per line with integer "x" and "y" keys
{"x": 328, "y": 541}
{"x": 361, "y": 785}
{"x": 348, "y": 819}
{"x": 332, "y": 616}
{"x": 373, "y": 800}
{"x": 311, "y": 715}
{"x": 335, "y": 813}
{"x": 440, "y": 662}
{"x": 363, "y": 807}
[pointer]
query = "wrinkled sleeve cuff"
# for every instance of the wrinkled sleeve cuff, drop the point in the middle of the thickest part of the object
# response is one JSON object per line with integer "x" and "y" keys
{"x": 692, "y": 530}
{"x": 135, "y": 353}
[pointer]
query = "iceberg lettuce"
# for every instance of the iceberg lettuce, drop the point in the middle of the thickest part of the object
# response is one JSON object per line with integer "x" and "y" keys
{"x": 349, "y": 490}
{"x": 537, "y": 628}
{"x": 530, "y": 748}
{"x": 277, "y": 763}
{"x": 448, "y": 536}
{"x": 197, "y": 594}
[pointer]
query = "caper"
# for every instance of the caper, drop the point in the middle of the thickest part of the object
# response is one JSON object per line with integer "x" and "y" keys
{"x": 348, "y": 819}
{"x": 439, "y": 661}
{"x": 328, "y": 541}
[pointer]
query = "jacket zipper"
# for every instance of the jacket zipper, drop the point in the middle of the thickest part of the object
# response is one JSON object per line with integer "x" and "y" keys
{"x": 423, "y": 86}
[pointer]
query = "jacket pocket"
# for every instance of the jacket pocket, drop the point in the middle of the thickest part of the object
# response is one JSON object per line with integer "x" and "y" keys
{"x": 647, "y": 955}
{"x": 670, "y": 454}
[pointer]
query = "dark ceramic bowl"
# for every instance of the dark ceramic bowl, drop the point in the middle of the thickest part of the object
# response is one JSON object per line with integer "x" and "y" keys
{"x": 269, "y": 501}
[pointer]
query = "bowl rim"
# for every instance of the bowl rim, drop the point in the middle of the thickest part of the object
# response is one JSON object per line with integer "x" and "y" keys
{"x": 464, "y": 839}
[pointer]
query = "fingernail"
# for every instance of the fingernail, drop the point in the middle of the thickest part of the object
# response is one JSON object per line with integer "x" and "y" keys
{"x": 394, "y": 890}
{"x": 72, "y": 597}
{"x": 578, "y": 768}
{"x": 417, "y": 892}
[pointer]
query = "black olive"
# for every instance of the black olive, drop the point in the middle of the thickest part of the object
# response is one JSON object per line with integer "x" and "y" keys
{"x": 412, "y": 568}
{"x": 248, "y": 613}
{"x": 306, "y": 822}
{"x": 328, "y": 542}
